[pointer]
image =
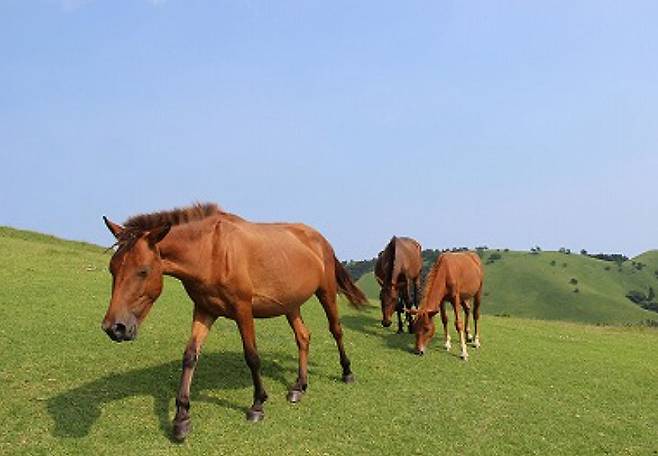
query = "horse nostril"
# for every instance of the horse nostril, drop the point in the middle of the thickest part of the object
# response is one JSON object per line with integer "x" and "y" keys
{"x": 386, "y": 324}
{"x": 119, "y": 329}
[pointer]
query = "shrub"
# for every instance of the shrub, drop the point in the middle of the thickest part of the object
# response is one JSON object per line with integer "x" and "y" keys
{"x": 636, "y": 296}
{"x": 553, "y": 263}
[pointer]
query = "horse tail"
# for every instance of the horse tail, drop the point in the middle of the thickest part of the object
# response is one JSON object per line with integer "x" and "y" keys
{"x": 347, "y": 287}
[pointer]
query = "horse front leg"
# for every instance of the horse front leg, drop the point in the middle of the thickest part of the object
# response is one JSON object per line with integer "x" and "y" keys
{"x": 399, "y": 309}
{"x": 201, "y": 324}
{"x": 459, "y": 326}
{"x": 245, "y": 321}
{"x": 444, "y": 320}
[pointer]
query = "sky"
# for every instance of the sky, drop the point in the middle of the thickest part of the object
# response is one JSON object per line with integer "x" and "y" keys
{"x": 500, "y": 123}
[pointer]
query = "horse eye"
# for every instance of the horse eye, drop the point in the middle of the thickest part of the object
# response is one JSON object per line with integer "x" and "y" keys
{"x": 143, "y": 272}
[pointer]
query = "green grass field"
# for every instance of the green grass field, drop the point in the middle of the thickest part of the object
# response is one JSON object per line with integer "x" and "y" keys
{"x": 538, "y": 286}
{"x": 534, "y": 387}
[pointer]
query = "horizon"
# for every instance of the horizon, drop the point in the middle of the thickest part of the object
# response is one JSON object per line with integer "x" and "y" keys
{"x": 503, "y": 125}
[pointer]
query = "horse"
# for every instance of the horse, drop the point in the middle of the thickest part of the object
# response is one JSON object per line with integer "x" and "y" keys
{"x": 397, "y": 271}
{"x": 231, "y": 268}
{"x": 454, "y": 277}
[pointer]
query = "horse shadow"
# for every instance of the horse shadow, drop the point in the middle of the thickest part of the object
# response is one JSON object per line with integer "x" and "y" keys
{"x": 75, "y": 411}
{"x": 369, "y": 324}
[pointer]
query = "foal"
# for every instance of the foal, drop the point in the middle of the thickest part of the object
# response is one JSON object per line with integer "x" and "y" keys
{"x": 458, "y": 278}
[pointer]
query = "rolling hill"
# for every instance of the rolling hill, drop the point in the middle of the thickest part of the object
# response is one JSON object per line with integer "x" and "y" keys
{"x": 559, "y": 286}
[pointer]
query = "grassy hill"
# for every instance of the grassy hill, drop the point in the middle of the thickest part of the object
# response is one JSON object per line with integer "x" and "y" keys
{"x": 534, "y": 387}
{"x": 542, "y": 286}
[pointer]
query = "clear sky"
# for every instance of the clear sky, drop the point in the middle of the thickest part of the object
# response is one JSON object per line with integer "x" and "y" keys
{"x": 509, "y": 124}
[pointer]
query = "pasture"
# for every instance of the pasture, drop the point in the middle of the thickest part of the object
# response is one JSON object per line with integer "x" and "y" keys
{"x": 535, "y": 387}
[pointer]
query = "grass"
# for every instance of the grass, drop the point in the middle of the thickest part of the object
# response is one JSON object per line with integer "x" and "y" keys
{"x": 538, "y": 286}
{"x": 534, "y": 387}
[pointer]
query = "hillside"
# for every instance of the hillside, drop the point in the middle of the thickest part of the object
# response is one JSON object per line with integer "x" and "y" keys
{"x": 534, "y": 387}
{"x": 541, "y": 286}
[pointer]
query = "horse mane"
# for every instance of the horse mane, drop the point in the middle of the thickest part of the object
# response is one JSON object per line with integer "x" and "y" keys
{"x": 429, "y": 281}
{"x": 138, "y": 224}
{"x": 177, "y": 216}
{"x": 389, "y": 255}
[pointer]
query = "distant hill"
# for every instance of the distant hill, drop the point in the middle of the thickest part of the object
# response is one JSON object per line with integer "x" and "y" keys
{"x": 561, "y": 286}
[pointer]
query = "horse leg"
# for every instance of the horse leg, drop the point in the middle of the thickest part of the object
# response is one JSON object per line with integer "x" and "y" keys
{"x": 399, "y": 308}
{"x": 459, "y": 325}
{"x": 201, "y": 324}
{"x": 245, "y": 321}
{"x": 303, "y": 337}
{"x": 476, "y": 318}
{"x": 467, "y": 313}
{"x": 444, "y": 320}
{"x": 410, "y": 300}
{"x": 328, "y": 301}
{"x": 416, "y": 286}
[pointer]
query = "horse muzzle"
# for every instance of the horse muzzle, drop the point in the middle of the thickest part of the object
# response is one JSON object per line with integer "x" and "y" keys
{"x": 120, "y": 331}
{"x": 386, "y": 323}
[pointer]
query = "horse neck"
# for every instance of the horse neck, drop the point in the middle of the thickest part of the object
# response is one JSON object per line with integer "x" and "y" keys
{"x": 180, "y": 252}
{"x": 435, "y": 290}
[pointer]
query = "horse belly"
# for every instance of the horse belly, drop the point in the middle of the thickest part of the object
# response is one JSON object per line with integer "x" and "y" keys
{"x": 282, "y": 303}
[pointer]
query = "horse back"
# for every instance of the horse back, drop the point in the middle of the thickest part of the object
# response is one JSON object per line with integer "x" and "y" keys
{"x": 463, "y": 271}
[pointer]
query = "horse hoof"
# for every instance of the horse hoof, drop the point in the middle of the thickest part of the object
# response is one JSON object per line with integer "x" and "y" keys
{"x": 254, "y": 416}
{"x": 295, "y": 396}
{"x": 464, "y": 356}
{"x": 181, "y": 429}
{"x": 349, "y": 378}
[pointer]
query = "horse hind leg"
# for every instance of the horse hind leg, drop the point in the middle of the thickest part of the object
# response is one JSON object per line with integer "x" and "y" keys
{"x": 476, "y": 318}
{"x": 302, "y": 337}
{"x": 410, "y": 303}
{"x": 328, "y": 301}
{"x": 467, "y": 312}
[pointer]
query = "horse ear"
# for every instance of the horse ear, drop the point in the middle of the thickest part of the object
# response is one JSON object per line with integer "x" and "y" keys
{"x": 114, "y": 228}
{"x": 412, "y": 311}
{"x": 158, "y": 234}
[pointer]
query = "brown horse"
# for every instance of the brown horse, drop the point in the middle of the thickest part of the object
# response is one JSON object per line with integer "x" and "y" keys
{"x": 230, "y": 268}
{"x": 454, "y": 277}
{"x": 398, "y": 272}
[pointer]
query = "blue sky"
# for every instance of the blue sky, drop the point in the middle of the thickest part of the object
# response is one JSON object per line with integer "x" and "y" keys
{"x": 509, "y": 124}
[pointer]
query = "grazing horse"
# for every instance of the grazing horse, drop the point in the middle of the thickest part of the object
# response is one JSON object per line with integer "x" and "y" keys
{"x": 454, "y": 277}
{"x": 230, "y": 268}
{"x": 398, "y": 273}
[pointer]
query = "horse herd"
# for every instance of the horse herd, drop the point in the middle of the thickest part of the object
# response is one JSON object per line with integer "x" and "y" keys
{"x": 240, "y": 270}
